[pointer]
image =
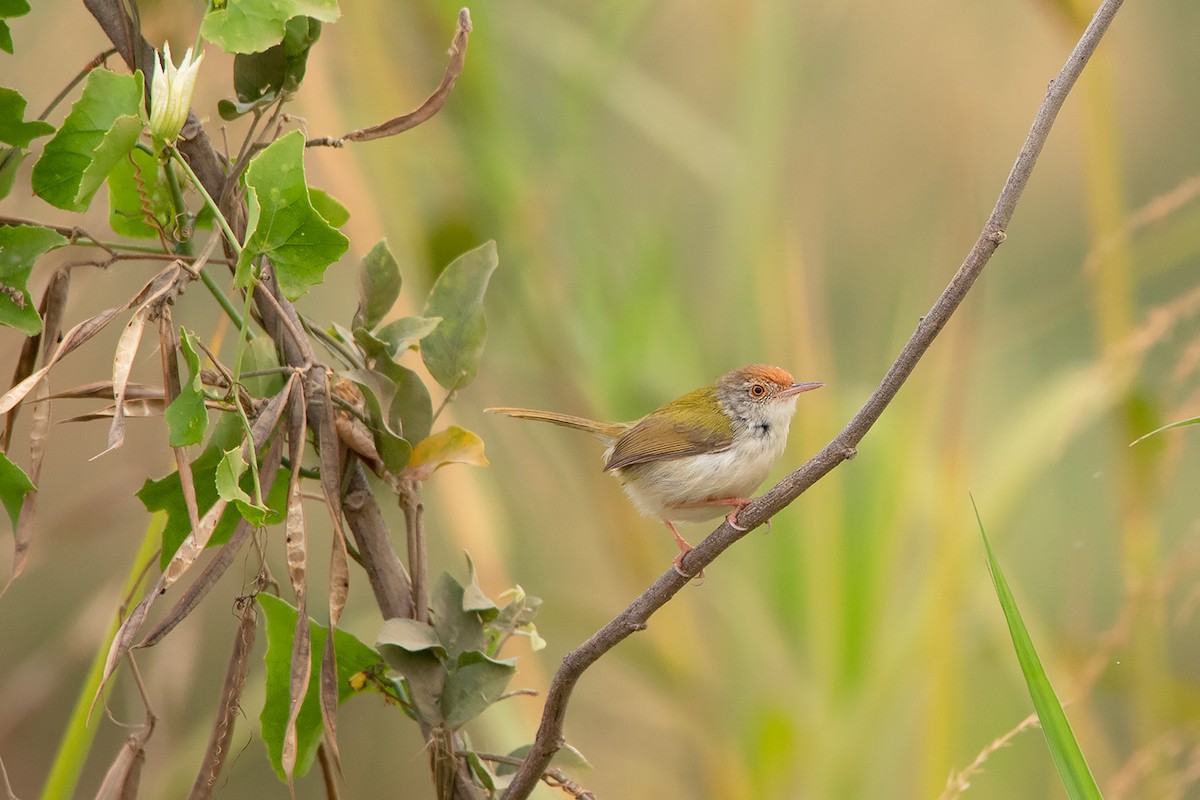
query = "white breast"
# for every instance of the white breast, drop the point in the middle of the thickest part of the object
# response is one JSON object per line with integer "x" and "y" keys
{"x": 674, "y": 489}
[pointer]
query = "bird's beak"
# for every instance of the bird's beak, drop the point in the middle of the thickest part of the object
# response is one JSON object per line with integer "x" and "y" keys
{"x": 797, "y": 388}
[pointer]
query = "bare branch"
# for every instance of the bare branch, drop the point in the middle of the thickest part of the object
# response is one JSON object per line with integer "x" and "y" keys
{"x": 842, "y": 447}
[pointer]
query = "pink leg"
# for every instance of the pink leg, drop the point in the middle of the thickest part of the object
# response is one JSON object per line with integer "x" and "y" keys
{"x": 738, "y": 503}
{"x": 684, "y": 549}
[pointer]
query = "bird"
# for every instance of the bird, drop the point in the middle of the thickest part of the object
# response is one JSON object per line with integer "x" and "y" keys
{"x": 700, "y": 455}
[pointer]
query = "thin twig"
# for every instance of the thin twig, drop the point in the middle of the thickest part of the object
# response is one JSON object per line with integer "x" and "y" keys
{"x": 842, "y": 447}
{"x": 414, "y": 512}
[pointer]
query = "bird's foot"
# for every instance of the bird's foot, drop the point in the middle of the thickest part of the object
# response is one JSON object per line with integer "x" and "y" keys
{"x": 684, "y": 549}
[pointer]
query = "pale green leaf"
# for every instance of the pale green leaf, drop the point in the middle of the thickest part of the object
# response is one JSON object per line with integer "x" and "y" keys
{"x": 20, "y": 248}
{"x": 98, "y": 131}
{"x": 282, "y": 223}
{"x": 452, "y": 351}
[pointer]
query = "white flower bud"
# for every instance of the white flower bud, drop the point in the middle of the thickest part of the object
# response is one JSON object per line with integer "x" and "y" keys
{"x": 171, "y": 94}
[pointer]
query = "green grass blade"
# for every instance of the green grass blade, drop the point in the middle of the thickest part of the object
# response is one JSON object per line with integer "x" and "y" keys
{"x": 1072, "y": 767}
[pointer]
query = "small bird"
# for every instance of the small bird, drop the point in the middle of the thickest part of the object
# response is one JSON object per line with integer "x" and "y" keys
{"x": 700, "y": 455}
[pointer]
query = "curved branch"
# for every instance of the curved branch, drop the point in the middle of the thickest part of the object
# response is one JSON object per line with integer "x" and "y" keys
{"x": 842, "y": 447}
{"x": 431, "y": 106}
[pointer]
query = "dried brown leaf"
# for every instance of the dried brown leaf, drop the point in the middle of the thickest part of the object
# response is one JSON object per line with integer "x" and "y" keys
{"x": 339, "y": 571}
{"x": 216, "y": 568}
{"x": 458, "y": 57}
{"x": 168, "y": 346}
{"x": 54, "y": 300}
{"x": 227, "y": 710}
{"x": 300, "y": 675}
{"x": 154, "y": 289}
{"x": 103, "y": 390}
{"x": 123, "y": 640}
{"x": 121, "y": 781}
{"x": 132, "y": 408}
{"x": 297, "y": 562}
{"x": 127, "y": 347}
{"x": 26, "y": 520}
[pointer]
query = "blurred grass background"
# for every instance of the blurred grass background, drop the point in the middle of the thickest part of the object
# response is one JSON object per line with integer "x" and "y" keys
{"x": 677, "y": 189}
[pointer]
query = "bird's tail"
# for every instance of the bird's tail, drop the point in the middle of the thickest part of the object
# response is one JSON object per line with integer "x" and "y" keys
{"x": 604, "y": 431}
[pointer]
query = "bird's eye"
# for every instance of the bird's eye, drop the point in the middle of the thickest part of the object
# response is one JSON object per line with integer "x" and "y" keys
{"x": 757, "y": 390}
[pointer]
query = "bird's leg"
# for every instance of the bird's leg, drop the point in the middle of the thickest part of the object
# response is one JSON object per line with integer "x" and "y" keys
{"x": 738, "y": 503}
{"x": 684, "y": 549}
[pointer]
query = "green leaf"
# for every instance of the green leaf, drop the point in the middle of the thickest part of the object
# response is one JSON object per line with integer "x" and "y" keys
{"x": 166, "y": 495}
{"x": 10, "y": 160}
{"x": 230, "y": 471}
{"x": 453, "y": 350}
{"x": 1177, "y": 424}
{"x": 230, "y": 110}
{"x": 378, "y": 393}
{"x": 1068, "y": 758}
{"x": 474, "y": 598}
{"x": 279, "y": 68}
{"x": 475, "y": 683}
{"x": 187, "y": 418}
{"x": 353, "y": 657}
{"x": 14, "y": 485}
{"x": 20, "y": 247}
{"x": 13, "y": 128}
{"x": 409, "y": 408}
{"x": 282, "y": 223}
{"x": 378, "y": 286}
{"x": 413, "y": 649}
{"x": 330, "y": 209}
{"x": 101, "y": 129}
{"x": 401, "y": 334}
{"x": 251, "y": 26}
{"x": 10, "y": 8}
{"x": 458, "y": 629}
{"x": 126, "y": 183}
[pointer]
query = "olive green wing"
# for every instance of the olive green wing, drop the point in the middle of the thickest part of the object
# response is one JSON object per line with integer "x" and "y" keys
{"x": 656, "y": 438}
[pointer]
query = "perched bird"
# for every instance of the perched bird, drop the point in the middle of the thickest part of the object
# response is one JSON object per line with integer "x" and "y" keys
{"x": 701, "y": 455}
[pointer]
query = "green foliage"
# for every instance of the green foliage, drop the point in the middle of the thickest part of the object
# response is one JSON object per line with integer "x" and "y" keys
{"x": 14, "y": 485}
{"x": 449, "y": 669}
{"x": 129, "y": 178}
{"x": 9, "y": 9}
{"x": 103, "y": 126}
{"x": 231, "y": 472}
{"x": 166, "y": 494}
{"x": 252, "y": 26}
{"x": 452, "y": 351}
{"x": 14, "y": 130}
{"x": 1068, "y": 758}
{"x": 328, "y": 207}
{"x": 378, "y": 286}
{"x": 259, "y": 77}
{"x": 187, "y": 418}
{"x": 282, "y": 223}
{"x": 20, "y": 247}
{"x": 379, "y": 393}
{"x": 353, "y": 657}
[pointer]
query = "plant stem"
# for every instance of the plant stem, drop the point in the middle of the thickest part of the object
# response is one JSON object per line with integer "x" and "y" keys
{"x": 234, "y": 244}
{"x": 78, "y": 737}
{"x": 410, "y": 501}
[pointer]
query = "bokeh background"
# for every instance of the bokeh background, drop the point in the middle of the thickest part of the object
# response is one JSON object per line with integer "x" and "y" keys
{"x": 677, "y": 189}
